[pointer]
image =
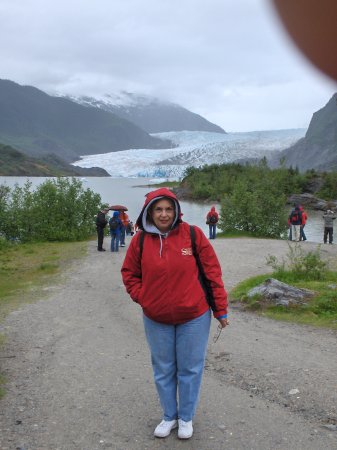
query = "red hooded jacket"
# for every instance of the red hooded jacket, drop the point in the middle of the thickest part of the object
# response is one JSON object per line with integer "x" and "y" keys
{"x": 212, "y": 213}
{"x": 164, "y": 279}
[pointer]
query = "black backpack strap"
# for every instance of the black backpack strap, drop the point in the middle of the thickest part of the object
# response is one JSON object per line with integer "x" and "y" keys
{"x": 206, "y": 285}
{"x": 192, "y": 234}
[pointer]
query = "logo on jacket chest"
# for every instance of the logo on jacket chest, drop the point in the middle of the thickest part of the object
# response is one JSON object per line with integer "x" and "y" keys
{"x": 186, "y": 251}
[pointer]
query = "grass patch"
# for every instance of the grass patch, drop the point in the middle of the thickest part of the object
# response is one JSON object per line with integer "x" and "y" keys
{"x": 2, "y": 382}
{"x": 26, "y": 268}
{"x": 320, "y": 311}
{"x": 302, "y": 270}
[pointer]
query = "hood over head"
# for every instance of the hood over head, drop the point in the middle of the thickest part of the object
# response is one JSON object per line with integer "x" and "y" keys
{"x": 152, "y": 197}
{"x": 116, "y": 214}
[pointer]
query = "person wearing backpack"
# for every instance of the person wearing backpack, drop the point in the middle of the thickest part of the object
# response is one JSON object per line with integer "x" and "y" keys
{"x": 162, "y": 272}
{"x": 295, "y": 222}
{"x": 212, "y": 219}
{"x": 115, "y": 225}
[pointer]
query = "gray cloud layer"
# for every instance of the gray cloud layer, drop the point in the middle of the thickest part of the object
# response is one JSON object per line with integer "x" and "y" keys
{"x": 228, "y": 60}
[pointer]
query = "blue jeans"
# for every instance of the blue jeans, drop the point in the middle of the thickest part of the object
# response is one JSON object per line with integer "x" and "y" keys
{"x": 114, "y": 241}
{"x": 178, "y": 355}
{"x": 212, "y": 230}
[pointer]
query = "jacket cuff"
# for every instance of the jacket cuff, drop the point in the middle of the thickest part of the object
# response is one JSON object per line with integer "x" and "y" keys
{"x": 220, "y": 314}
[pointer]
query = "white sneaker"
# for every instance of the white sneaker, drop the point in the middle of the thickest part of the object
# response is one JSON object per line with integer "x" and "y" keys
{"x": 185, "y": 429}
{"x": 165, "y": 427}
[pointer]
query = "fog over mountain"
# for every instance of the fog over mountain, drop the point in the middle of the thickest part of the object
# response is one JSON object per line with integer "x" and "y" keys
{"x": 39, "y": 124}
{"x": 149, "y": 113}
{"x": 89, "y": 132}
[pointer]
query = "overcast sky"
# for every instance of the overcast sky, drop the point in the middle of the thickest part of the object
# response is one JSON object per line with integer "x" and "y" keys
{"x": 228, "y": 60}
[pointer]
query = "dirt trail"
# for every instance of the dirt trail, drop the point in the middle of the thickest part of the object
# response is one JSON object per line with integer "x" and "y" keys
{"x": 79, "y": 374}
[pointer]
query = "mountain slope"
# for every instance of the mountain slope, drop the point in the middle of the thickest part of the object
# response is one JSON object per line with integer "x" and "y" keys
{"x": 15, "y": 163}
{"x": 151, "y": 114}
{"x": 40, "y": 124}
{"x": 318, "y": 149}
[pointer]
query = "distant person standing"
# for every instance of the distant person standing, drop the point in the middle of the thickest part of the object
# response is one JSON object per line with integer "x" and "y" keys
{"x": 101, "y": 223}
{"x": 212, "y": 219}
{"x": 125, "y": 221}
{"x": 115, "y": 225}
{"x": 328, "y": 217}
{"x": 295, "y": 222}
{"x": 304, "y": 221}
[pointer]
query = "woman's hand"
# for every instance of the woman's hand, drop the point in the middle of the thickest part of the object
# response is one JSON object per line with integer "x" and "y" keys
{"x": 223, "y": 322}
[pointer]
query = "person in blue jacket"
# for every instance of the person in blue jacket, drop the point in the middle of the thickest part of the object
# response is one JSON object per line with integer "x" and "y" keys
{"x": 115, "y": 225}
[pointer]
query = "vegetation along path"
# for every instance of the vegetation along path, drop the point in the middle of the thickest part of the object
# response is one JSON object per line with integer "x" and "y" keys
{"x": 79, "y": 376}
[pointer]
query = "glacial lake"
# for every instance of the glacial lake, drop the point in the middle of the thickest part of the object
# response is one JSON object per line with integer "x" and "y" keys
{"x": 131, "y": 193}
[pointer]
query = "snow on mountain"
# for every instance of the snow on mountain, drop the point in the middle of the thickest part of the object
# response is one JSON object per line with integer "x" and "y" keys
{"x": 117, "y": 99}
{"x": 195, "y": 149}
{"x": 151, "y": 114}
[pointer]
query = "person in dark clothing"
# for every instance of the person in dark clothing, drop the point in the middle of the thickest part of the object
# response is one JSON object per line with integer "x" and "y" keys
{"x": 328, "y": 217}
{"x": 101, "y": 223}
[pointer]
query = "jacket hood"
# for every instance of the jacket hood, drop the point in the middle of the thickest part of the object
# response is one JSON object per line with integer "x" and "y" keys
{"x": 213, "y": 209}
{"x": 116, "y": 214}
{"x": 151, "y": 197}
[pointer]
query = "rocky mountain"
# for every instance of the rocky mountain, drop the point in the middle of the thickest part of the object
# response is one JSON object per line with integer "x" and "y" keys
{"x": 150, "y": 114}
{"x": 39, "y": 124}
{"x": 15, "y": 163}
{"x": 318, "y": 149}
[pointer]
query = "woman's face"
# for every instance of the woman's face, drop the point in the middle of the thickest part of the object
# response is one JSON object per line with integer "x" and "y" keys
{"x": 163, "y": 214}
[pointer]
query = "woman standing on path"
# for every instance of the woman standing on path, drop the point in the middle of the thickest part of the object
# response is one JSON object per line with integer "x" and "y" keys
{"x": 212, "y": 219}
{"x": 160, "y": 273}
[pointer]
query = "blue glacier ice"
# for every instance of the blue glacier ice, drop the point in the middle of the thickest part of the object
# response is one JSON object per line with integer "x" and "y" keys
{"x": 194, "y": 148}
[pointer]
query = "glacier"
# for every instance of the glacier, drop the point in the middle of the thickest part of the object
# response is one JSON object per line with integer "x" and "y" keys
{"x": 194, "y": 148}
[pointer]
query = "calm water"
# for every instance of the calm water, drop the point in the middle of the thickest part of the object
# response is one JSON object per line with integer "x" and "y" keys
{"x": 131, "y": 193}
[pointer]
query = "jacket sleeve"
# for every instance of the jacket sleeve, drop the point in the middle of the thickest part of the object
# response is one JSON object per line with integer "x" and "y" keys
{"x": 131, "y": 269}
{"x": 212, "y": 269}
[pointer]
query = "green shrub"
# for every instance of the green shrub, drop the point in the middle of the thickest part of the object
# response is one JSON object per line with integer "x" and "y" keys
{"x": 57, "y": 210}
{"x": 300, "y": 265}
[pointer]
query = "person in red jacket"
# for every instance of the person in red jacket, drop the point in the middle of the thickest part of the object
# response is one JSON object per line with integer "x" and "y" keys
{"x": 304, "y": 221}
{"x": 125, "y": 220}
{"x": 212, "y": 219}
{"x": 160, "y": 272}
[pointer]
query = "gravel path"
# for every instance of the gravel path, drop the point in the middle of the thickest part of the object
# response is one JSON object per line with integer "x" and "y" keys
{"x": 79, "y": 374}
